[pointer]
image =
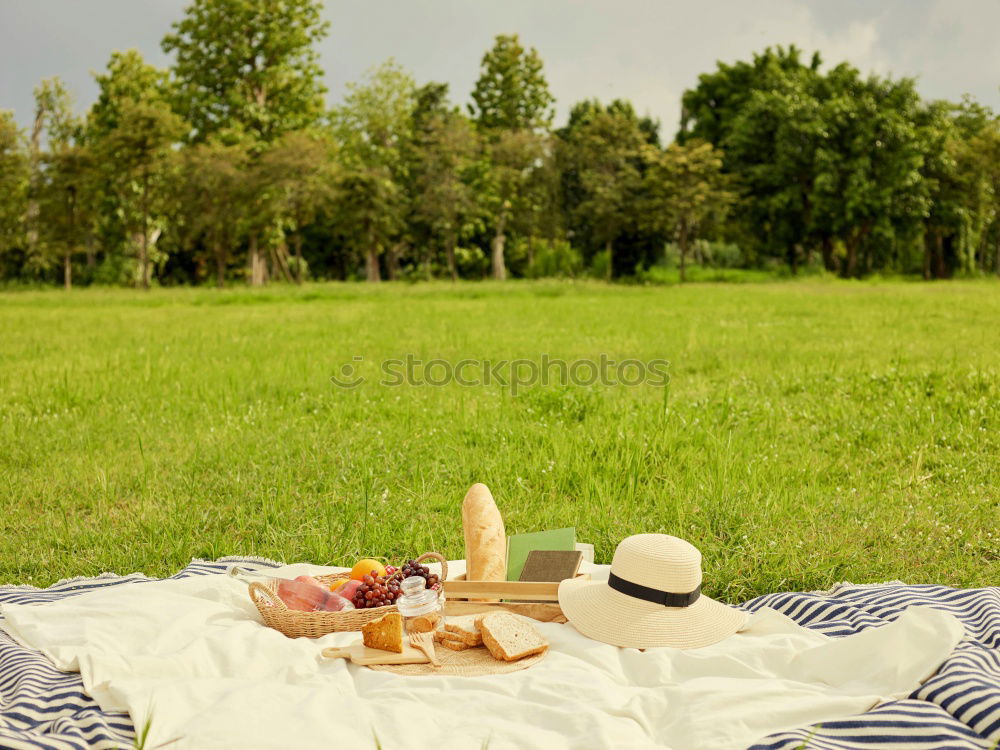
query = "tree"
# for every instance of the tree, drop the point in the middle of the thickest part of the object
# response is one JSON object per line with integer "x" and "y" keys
{"x": 960, "y": 170}
{"x": 604, "y": 154}
{"x": 511, "y": 101}
{"x": 685, "y": 189}
{"x": 248, "y": 68}
{"x": 140, "y": 150}
{"x": 634, "y": 245}
{"x": 127, "y": 78}
{"x": 709, "y": 111}
{"x": 511, "y": 93}
{"x": 868, "y": 182}
{"x": 511, "y": 162}
{"x": 772, "y": 146}
{"x": 445, "y": 161}
{"x": 368, "y": 213}
{"x": 15, "y": 174}
{"x": 375, "y": 127}
{"x": 67, "y": 202}
{"x": 54, "y": 116}
{"x": 210, "y": 185}
{"x": 300, "y": 170}
{"x": 132, "y": 162}
{"x": 983, "y": 151}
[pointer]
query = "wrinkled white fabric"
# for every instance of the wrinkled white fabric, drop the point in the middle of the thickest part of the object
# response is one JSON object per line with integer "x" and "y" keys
{"x": 193, "y": 656}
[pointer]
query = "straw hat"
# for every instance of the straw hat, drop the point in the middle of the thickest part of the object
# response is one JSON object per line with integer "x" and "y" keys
{"x": 652, "y": 598}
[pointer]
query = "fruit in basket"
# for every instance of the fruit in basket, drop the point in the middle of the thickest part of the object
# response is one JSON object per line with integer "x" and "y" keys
{"x": 367, "y": 567}
{"x": 376, "y": 591}
{"x": 308, "y": 579}
{"x": 347, "y": 588}
{"x": 306, "y": 597}
{"x": 413, "y": 568}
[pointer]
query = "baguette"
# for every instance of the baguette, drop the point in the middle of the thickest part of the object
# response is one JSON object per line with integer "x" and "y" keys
{"x": 485, "y": 536}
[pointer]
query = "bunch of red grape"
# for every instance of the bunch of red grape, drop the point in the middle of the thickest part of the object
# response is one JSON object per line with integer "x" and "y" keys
{"x": 377, "y": 591}
{"x": 413, "y": 568}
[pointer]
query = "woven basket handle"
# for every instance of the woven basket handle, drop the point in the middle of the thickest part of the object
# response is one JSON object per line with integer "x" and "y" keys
{"x": 259, "y": 590}
{"x": 440, "y": 558}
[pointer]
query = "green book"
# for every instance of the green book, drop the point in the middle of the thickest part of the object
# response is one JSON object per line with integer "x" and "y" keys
{"x": 519, "y": 545}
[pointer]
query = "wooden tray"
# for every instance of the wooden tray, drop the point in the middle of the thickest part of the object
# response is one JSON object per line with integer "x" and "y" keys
{"x": 359, "y": 653}
{"x": 459, "y": 588}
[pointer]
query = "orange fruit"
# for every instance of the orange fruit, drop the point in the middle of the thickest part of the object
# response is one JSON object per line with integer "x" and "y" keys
{"x": 338, "y": 583}
{"x": 365, "y": 567}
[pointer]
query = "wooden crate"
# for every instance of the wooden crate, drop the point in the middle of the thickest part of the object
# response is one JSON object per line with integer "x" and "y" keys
{"x": 509, "y": 591}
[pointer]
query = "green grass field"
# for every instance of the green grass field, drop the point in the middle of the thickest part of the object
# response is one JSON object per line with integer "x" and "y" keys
{"x": 811, "y": 432}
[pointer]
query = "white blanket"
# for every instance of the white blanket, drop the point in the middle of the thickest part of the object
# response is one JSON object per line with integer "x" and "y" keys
{"x": 192, "y": 656}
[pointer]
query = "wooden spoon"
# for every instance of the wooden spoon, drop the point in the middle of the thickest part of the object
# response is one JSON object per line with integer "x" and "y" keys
{"x": 425, "y": 642}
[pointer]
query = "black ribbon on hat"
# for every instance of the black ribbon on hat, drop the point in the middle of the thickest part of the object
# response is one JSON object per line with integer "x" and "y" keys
{"x": 666, "y": 598}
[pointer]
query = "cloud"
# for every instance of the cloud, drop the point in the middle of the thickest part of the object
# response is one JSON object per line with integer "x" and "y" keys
{"x": 648, "y": 51}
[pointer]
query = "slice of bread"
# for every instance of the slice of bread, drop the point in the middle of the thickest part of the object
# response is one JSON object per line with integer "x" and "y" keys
{"x": 509, "y": 638}
{"x": 454, "y": 644}
{"x": 465, "y": 628}
{"x": 443, "y": 636}
{"x": 385, "y": 633}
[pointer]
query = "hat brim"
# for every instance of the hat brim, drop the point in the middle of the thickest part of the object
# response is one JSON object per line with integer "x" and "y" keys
{"x": 601, "y": 613}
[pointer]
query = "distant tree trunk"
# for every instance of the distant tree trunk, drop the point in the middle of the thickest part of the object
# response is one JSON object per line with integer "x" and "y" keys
{"x": 940, "y": 266}
{"x": 392, "y": 260}
{"x": 496, "y": 247}
{"x": 91, "y": 253}
{"x": 449, "y": 251}
{"x": 33, "y": 210}
{"x": 683, "y": 242}
{"x": 67, "y": 256}
{"x": 609, "y": 248}
{"x": 851, "y": 261}
{"x": 281, "y": 258}
{"x": 297, "y": 242}
{"x": 928, "y": 237}
{"x": 220, "y": 264}
{"x": 144, "y": 243}
{"x": 371, "y": 257}
{"x": 827, "y": 249}
{"x": 372, "y": 272}
{"x": 792, "y": 254}
{"x": 256, "y": 261}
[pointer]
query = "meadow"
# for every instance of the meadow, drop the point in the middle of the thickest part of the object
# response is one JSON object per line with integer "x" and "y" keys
{"x": 811, "y": 431}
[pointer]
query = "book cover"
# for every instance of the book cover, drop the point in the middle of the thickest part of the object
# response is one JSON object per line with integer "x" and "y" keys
{"x": 519, "y": 545}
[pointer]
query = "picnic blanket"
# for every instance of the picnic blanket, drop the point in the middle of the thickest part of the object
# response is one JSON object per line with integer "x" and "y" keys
{"x": 960, "y": 707}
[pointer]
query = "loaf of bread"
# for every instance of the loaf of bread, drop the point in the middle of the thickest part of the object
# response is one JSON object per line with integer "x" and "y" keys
{"x": 485, "y": 537}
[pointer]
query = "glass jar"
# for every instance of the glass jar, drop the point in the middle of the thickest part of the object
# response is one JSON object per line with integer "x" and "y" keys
{"x": 421, "y": 608}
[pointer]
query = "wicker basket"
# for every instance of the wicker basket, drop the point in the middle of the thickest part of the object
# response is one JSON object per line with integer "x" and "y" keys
{"x": 297, "y": 624}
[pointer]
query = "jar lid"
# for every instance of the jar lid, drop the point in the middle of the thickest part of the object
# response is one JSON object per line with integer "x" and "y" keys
{"x": 416, "y": 596}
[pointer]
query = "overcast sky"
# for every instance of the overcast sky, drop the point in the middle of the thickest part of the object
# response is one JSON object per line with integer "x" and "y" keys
{"x": 648, "y": 51}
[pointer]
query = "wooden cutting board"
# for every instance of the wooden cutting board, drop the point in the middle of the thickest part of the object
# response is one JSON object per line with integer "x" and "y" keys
{"x": 359, "y": 653}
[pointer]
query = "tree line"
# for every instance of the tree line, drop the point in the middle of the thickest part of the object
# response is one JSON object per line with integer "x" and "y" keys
{"x": 229, "y": 166}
